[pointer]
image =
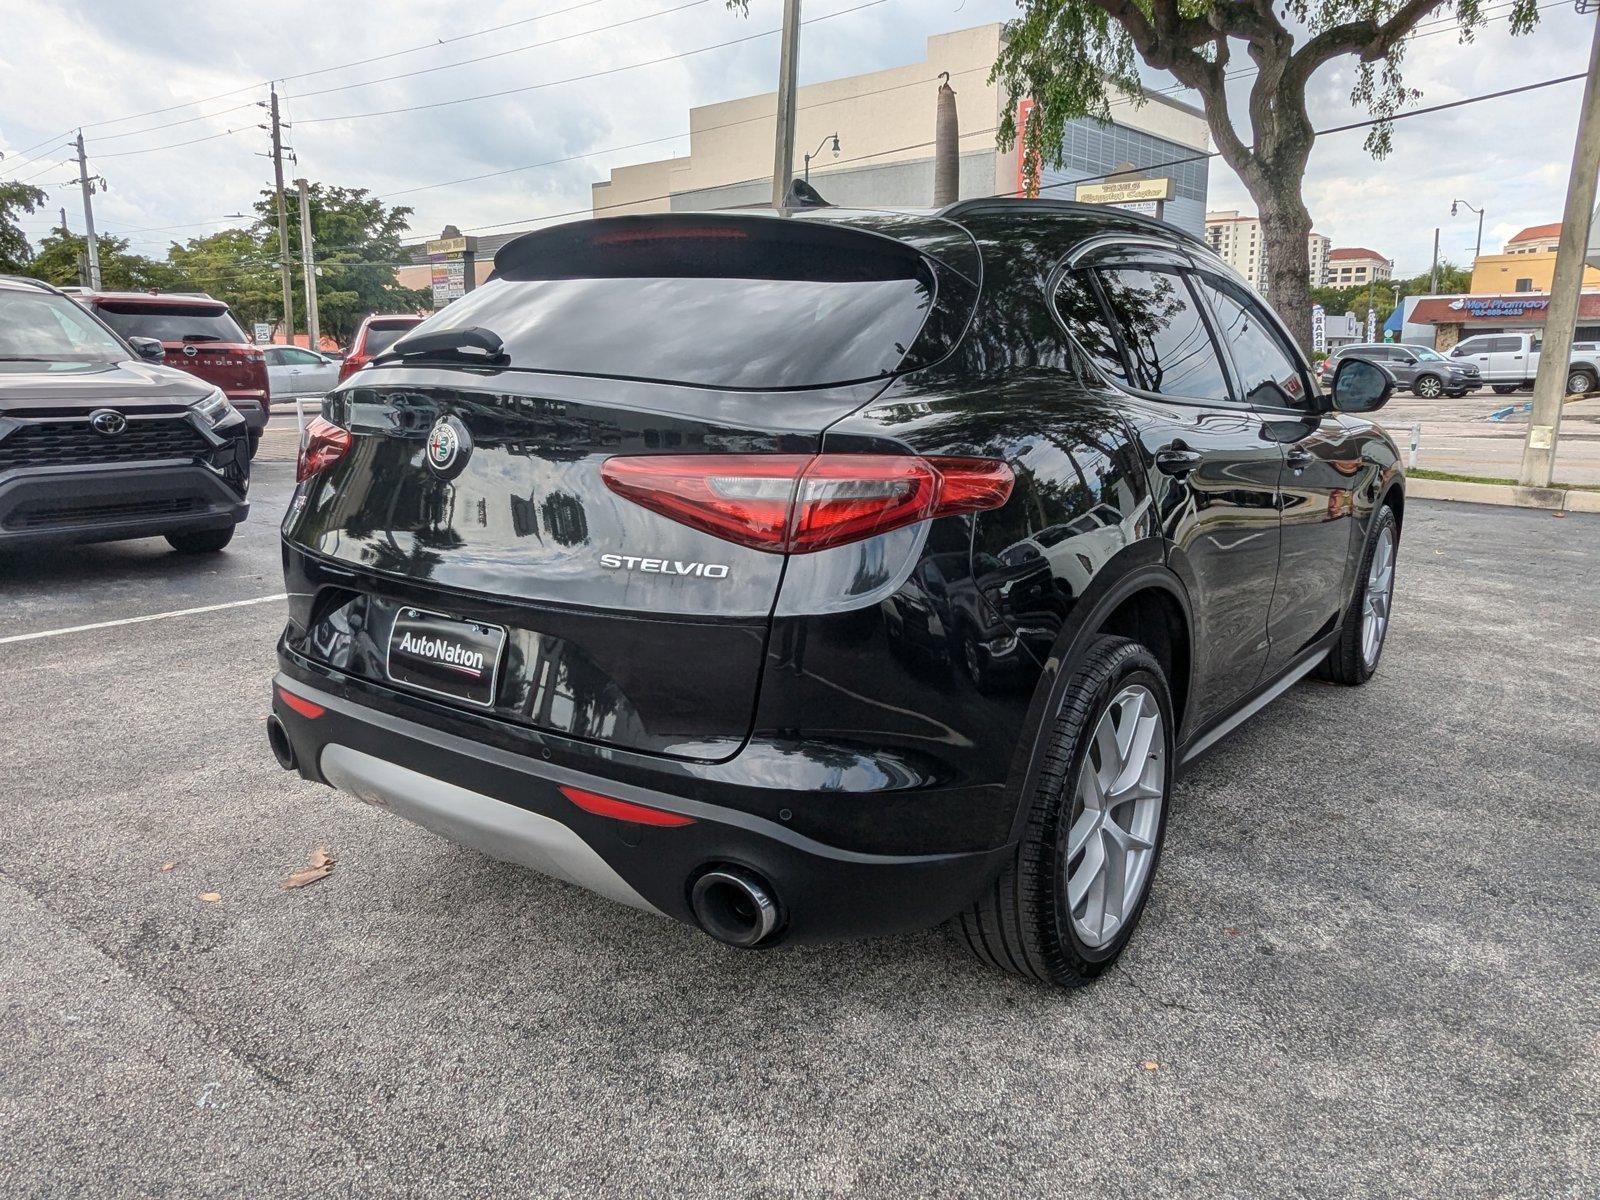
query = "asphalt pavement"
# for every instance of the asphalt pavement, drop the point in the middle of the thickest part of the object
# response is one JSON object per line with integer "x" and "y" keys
{"x": 1369, "y": 966}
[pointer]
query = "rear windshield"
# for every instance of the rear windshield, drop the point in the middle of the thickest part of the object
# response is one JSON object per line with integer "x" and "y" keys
{"x": 381, "y": 337}
{"x": 711, "y": 302}
{"x": 171, "y": 322}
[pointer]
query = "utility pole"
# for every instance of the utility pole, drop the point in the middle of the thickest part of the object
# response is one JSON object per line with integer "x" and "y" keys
{"x": 283, "y": 222}
{"x": 788, "y": 75}
{"x": 308, "y": 264}
{"x": 1433, "y": 276}
{"x": 91, "y": 246}
{"x": 1550, "y": 384}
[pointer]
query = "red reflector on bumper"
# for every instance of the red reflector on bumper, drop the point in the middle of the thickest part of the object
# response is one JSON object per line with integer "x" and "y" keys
{"x": 621, "y": 810}
{"x": 302, "y": 706}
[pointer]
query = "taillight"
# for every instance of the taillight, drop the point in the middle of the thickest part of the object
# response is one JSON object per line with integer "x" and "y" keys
{"x": 325, "y": 444}
{"x": 801, "y": 503}
{"x": 351, "y": 364}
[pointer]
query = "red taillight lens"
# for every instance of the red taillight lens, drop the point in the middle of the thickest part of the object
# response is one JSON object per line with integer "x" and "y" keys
{"x": 325, "y": 444}
{"x": 801, "y": 503}
{"x": 351, "y": 364}
{"x": 301, "y": 705}
{"x": 622, "y": 810}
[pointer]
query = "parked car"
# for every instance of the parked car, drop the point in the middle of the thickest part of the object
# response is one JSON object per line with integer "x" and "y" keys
{"x": 295, "y": 371}
{"x": 376, "y": 334}
{"x": 1508, "y": 361}
{"x": 100, "y": 442}
{"x": 1425, "y": 371}
{"x": 589, "y": 570}
{"x": 199, "y": 336}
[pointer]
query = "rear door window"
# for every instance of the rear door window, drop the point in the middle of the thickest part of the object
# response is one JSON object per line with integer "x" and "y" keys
{"x": 1169, "y": 348}
{"x": 718, "y": 302}
{"x": 171, "y": 322}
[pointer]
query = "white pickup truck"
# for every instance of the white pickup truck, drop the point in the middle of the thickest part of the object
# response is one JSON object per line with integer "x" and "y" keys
{"x": 1508, "y": 361}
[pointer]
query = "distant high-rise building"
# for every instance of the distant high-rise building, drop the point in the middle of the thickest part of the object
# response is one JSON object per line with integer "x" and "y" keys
{"x": 1350, "y": 265}
{"x": 1239, "y": 242}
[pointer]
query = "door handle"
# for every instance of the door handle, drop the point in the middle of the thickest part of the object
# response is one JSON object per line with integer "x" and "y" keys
{"x": 1298, "y": 458}
{"x": 1177, "y": 460}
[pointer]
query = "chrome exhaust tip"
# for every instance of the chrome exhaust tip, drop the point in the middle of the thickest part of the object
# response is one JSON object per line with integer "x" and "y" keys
{"x": 735, "y": 906}
{"x": 278, "y": 739}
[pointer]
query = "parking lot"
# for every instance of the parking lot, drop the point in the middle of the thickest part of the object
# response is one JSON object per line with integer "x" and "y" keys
{"x": 1369, "y": 966}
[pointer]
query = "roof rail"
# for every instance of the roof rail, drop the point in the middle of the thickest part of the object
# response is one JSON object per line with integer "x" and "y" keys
{"x": 1019, "y": 205}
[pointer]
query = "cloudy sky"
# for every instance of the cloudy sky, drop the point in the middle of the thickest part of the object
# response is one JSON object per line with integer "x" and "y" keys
{"x": 166, "y": 92}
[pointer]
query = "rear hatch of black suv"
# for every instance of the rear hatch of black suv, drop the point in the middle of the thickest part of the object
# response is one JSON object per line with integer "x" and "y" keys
{"x": 588, "y": 535}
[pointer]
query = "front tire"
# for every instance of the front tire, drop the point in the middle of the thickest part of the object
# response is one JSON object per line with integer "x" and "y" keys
{"x": 1429, "y": 387}
{"x": 204, "y": 541}
{"x": 255, "y": 441}
{"x": 1365, "y": 627}
{"x": 1065, "y": 906}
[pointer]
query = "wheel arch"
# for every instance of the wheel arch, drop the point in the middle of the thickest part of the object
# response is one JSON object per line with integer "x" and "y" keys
{"x": 1147, "y": 604}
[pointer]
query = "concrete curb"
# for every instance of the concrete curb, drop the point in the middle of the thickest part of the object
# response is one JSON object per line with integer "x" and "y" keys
{"x": 1511, "y": 495}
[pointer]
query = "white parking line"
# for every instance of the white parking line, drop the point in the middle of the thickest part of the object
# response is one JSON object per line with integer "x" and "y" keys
{"x": 180, "y": 612}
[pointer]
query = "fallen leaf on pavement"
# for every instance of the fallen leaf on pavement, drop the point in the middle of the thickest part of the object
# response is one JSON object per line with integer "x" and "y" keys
{"x": 168, "y": 866}
{"x": 211, "y": 897}
{"x": 320, "y": 865}
{"x": 1230, "y": 931}
{"x": 1150, "y": 1066}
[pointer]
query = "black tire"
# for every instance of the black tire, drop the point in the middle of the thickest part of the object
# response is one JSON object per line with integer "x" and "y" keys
{"x": 1346, "y": 664}
{"x": 255, "y": 441}
{"x": 1429, "y": 387}
{"x": 204, "y": 541}
{"x": 1580, "y": 381}
{"x": 1022, "y": 922}
{"x": 1504, "y": 389}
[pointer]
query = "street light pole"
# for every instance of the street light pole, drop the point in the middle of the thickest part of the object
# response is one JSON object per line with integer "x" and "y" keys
{"x": 308, "y": 265}
{"x": 1477, "y": 250}
{"x": 1550, "y": 384}
{"x": 788, "y": 75}
{"x": 834, "y": 138}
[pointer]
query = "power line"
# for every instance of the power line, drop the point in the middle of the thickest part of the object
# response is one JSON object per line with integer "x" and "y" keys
{"x": 389, "y": 112}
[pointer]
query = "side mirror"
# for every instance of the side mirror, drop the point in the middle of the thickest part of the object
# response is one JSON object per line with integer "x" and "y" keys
{"x": 148, "y": 348}
{"x": 1409, "y": 361}
{"x": 1360, "y": 387}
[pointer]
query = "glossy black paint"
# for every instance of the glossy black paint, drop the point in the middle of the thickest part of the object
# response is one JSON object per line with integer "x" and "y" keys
{"x": 882, "y": 698}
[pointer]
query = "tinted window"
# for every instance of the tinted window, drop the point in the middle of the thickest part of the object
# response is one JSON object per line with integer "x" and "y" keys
{"x": 1268, "y": 373}
{"x": 1477, "y": 345}
{"x": 39, "y": 325}
{"x": 171, "y": 322}
{"x": 708, "y": 301}
{"x": 1505, "y": 345}
{"x": 1080, "y": 311}
{"x": 1171, "y": 351}
{"x": 380, "y": 337}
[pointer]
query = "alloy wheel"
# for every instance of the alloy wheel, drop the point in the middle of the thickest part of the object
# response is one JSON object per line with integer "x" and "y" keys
{"x": 1429, "y": 387}
{"x": 1380, "y": 592}
{"x": 1579, "y": 383}
{"x": 1116, "y": 814}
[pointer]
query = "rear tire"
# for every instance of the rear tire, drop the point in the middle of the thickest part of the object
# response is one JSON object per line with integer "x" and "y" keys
{"x": 1355, "y": 656}
{"x": 1095, "y": 825}
{"x": 1504, "y": 389}
{"x": 205, "y": 541}
{"x": 1580, "y": 381}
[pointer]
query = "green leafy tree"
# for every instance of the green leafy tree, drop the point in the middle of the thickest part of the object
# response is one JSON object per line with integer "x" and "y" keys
{"x": 356, "y": 243}
{"x": 1070, "y": 56}
{"x": 16, "y": 199}
{"x": 1453, "y": 281}
{"x": 59, "y": 255}
{"x": 234, "y": 265}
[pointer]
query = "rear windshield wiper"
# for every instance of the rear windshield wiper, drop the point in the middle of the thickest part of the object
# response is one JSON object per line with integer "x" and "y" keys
{"x": 470, "y": 344}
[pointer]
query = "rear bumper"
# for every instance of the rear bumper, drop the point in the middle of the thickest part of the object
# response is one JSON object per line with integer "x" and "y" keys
{"x": 111, "y": 503}
{"x": 254, "y": 407}
{"x": 509, "y": 806}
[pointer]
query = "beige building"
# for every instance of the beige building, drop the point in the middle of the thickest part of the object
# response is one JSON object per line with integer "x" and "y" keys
{"x": 1536, "y": 239}
{"x": 884, "y": 121}
{"x": 1528, "y": 264}
{"x": 1350, "y": 265}
{"x": 1238, "y": 241}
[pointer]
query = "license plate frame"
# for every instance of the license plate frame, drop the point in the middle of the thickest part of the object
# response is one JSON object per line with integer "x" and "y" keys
{"x": 431, "y": 672}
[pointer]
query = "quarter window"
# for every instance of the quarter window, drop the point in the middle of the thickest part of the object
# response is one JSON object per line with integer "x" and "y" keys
{"x": 1170, "y": 350}
{"x": 1080, "y": 311}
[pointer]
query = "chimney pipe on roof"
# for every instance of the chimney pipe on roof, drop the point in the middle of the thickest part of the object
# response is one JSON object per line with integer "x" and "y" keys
{"x": 946, "y": 146}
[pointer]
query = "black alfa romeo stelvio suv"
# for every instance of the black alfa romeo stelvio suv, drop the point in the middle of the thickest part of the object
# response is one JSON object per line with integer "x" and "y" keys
{"x": 827, "y": 573}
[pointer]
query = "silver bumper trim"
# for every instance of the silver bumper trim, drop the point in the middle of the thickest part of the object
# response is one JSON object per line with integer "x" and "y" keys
{"x": 500, "y": 830}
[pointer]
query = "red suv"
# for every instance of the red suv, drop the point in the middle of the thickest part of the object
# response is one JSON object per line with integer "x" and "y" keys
{"x": 198, "y": 335}
{"x": 377, "y": 334}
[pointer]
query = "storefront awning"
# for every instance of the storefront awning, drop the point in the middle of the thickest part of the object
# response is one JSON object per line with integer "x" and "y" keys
{"x": 1523, "y": 308}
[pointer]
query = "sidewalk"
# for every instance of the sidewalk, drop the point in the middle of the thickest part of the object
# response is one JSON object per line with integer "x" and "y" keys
{"x": 1458, "y": 437}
